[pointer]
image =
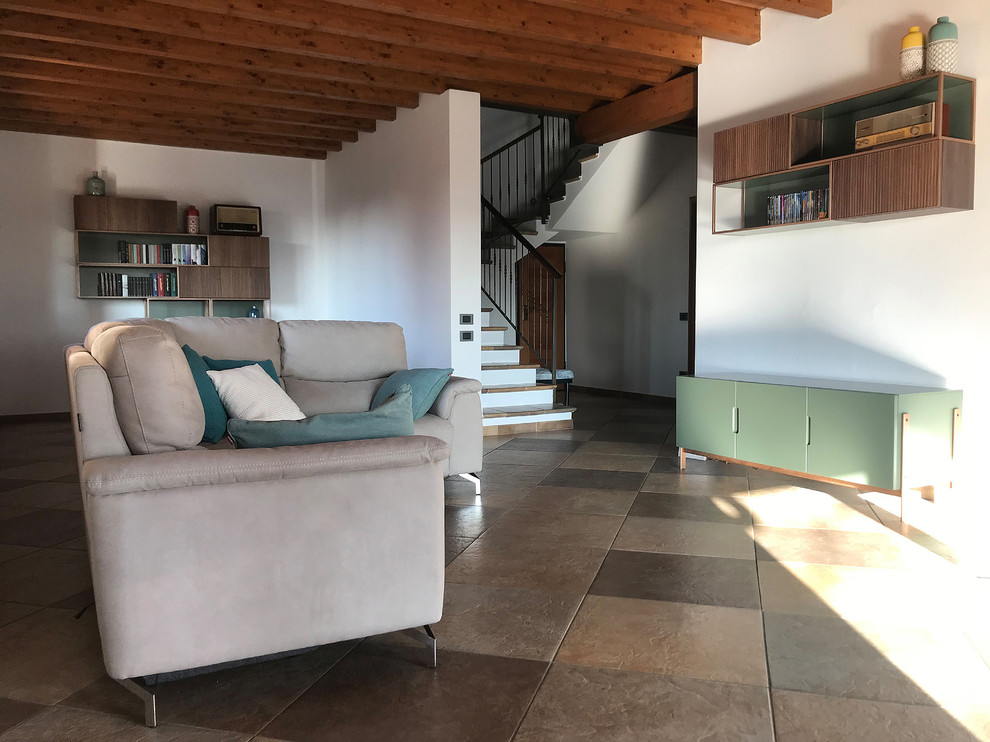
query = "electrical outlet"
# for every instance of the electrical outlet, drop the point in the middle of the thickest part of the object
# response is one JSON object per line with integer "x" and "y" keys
{"x": 467, "y": 336}
{"x": 467, "y": 319}
{"x": 684, "y": 316}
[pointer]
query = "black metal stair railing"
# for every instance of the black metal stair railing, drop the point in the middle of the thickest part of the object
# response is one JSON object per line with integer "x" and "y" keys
{"x": 516, "y": 277}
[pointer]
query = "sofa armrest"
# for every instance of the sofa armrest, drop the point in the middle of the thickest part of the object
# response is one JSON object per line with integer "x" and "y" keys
{"x": 200, "y": 467}
{"x": 456, "y": 386}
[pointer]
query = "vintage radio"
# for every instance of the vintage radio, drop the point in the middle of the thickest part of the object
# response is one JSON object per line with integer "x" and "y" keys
{"x": 895, "y": 135}
{"x": 226, "y": 219}
{"x": 903, "y": 119}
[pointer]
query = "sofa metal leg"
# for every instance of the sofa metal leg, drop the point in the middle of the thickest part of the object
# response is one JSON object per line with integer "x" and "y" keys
{"x": 428, "y": 639}
{"x": 473, "y": 478}
{"x": 150, "y": 712}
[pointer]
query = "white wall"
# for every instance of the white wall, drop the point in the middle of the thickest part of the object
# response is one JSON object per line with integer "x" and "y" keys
{"x": 897, "y": 301}
{"x": 404, "y": 229}
{"x": 625, "y": 290}
{"x": 499, "y": 127}
{"x": 39, "y": 311}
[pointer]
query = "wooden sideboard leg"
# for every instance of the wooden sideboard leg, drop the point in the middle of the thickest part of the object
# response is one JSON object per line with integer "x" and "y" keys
{"x": 905, "y": 425}
{"x": 956, "y": 433}
{"x": 683, "y": 458}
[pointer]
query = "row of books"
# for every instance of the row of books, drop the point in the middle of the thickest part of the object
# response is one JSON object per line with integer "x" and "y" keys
{"x": 791, "y": 208}
{"x": 163, "y": 254}
{"x": 121, "y": 284}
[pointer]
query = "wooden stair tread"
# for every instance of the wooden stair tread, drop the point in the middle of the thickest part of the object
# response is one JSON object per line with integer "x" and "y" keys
{"x": 487, "y": 309}
{"x": 501, "y": 347}
{"x": 506, "y": 366}
{"x": 526, "y": 410}
{"x": 494, "y": 328}
{"x": 586, "y": 158}
{"x": 516, "y": 387}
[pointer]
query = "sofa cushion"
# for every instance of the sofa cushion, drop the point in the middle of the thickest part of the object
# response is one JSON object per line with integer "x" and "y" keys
{"x": 392, "y": 418}
{"x": 268, "y": 366}
{"x": 337, "y": 350}
{"x": 426, "y": 384}
{"x": 318, "y": 397}
{"x": 154, "y": 394}
{"x": 253, "y": 339}
{"x": 249, "y": 393}
{"x": 213, "y": 410}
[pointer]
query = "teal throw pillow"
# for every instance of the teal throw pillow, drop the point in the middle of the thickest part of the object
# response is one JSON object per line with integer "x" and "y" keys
{"x": 426, "y": 385}
{"x": 216, "y": 415}
{"x": 392, "y": 418}
{"x": 222, "y": 365}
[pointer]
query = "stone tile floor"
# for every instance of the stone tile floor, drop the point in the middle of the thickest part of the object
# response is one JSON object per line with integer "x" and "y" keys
{"x": 593, "y": 593}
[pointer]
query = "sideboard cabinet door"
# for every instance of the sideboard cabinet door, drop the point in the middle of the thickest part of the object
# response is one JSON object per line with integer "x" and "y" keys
{"x": 705, "y": 415}
{"x": 772, "y": 425}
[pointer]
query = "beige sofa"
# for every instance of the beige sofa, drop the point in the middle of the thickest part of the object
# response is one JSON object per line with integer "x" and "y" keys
{"x": 202, "y": 555}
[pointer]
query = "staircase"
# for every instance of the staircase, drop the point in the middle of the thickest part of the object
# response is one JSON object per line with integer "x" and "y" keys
{"x": 520, "y": 182}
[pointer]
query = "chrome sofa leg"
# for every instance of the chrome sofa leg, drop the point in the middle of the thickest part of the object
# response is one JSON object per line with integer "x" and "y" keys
{"x": 426, "y": 637}
{"x": 150, "y": 712}
{"x": 473, "y": 478}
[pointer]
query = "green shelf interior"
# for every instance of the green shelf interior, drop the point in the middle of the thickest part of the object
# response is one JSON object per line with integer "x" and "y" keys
{"x": 757, "y": 190}
{"x": 165, "y": 308}
{"x": 237, "y": 307}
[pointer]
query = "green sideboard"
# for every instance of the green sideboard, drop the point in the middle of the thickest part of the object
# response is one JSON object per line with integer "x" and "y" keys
{"x": 881, "y": 437}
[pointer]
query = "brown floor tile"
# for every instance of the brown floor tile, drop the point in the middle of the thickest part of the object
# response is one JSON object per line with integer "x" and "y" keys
{"x": 797, "y": 507}
{"x": 76, "y": 544}
{"x": 527, "y": 565}
{"x": 49, "y": 655}
{"x": 590, "y": 703}
{"x": 697, "y": 484}
{"x": 878, "y": 661}
{"x": 453, "y": 546}
{"x": 469, "y": 521}
{"x": 77, "y": 602}
{"x": 626, "y": 433}
{"x": 853, "y": 549}
{"x": 13, "y": 484}
{"x": 6, "y": 513}
{"x": 40, "y": 495}
{"x": 575, "y": 434}
{"x": 698, "y": 641}
{"x": 241, "y": 699}
{"x": 804, "y": 717}
{"x": 385, "y": 692}
{"x": 505, "y": 621}
{"x": 544, "y": 460}
{"x": 44, "y": 577}
{"x": 10, "y": 612}
{"x": 8, "y": 552}
{"x": 616, "y": 448}
{"x": 608, "y": 462}
{"x": 42, "y": 527}
{"x": 41, "y": 471}
{"x": 709, "y": 467}
{"x": 555, "y": 527}
{"x": 903, "y": 596}
{"x": 13, "y": 713}
{"x": 678, "y": 578}
{"x": 595, "y": 479}
{"x": 677, "y": 536}
{"x": 691, "y": 507}
{"x": 542, "y": 444}
{"x": 57, "y": 723}
{"x": 578, "y": 500}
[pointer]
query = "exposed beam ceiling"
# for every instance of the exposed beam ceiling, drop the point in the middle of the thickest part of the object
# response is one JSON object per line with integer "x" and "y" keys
{"x": 300, "y": 77}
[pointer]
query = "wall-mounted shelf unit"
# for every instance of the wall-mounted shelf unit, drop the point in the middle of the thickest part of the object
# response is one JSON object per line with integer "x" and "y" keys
{"x": 130, "y": 249}
{"x": 804, "y": 168}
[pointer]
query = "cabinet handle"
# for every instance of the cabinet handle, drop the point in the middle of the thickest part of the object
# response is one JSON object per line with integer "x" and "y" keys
{"x": 734, "y": 421}
{"x": 807, "y": 439}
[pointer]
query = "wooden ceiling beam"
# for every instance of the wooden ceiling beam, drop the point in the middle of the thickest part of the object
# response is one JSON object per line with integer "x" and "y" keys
{"x": 712, "y": 18}
{"x": 28, "y": 89}
{"x": 177, "y": 117}
{"x": 185, "y": 89}
{"x": 192, "y": 134}
{"x": 166, "y": 139}
{"x": 658, "y": 106}
{"x": 507, "y": 59}
{"x": 810, "y": 8}
{"x": 128, "y": 49}
{"x": 529, "y": 20}
{"x": 78, "y": 55}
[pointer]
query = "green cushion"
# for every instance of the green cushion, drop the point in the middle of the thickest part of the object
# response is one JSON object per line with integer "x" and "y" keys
{"x": 392, "y": 418}
{"x": 426, "y": 384}
{"x": 216, "y": 415}
{"x": 223, "y": 365}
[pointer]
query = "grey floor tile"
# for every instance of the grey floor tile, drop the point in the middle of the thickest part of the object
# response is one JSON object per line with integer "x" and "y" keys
{"x": 13, "y": 713}
{"x": 555, "y": 445}
{"x": 578, "y": 500}
{"x": 45, "y": 527}
{"x": 717, "y": 509}
{"x": 469, "y": 521}
{"x": 608, "y": 462}
{"x": 595, "y": 479}
{"x": 697, "y": 484}
{"x": 44, "y": 577}
{"x": 40, "y": 494}
{"x": 678, "y": 536}
{"x": 560, "y": 527}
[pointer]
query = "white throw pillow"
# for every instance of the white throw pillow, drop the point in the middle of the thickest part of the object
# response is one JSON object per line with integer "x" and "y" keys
{"x": 249, "y": 393}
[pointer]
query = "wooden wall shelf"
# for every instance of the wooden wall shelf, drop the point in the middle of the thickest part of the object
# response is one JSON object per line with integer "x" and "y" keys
{"x": 811, "y": 154}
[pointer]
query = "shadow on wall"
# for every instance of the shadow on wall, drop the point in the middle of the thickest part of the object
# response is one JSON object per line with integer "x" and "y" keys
{"x": 804, "y": 352}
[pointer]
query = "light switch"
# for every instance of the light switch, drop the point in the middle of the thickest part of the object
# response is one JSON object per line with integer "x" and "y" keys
{"x": 467, "y": 319}
{"x": 467, "y": 336}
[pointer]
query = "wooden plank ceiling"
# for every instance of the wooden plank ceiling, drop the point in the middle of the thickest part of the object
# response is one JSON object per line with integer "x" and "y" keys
{"x": 303, "y": 77}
